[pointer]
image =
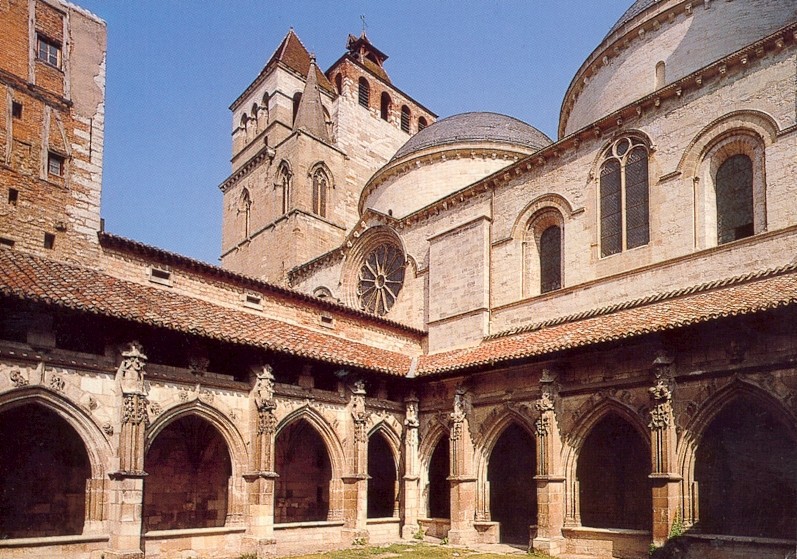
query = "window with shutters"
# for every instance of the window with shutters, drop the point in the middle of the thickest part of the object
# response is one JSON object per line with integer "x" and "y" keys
{"x": 405, "y": 118}
{"x": 624, "y": 197}
{"x": 364, "y": 93}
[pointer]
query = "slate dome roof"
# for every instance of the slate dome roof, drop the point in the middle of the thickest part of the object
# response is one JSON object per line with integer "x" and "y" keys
{"x": 474, "y": 127}
{"x": 636, "y": 8}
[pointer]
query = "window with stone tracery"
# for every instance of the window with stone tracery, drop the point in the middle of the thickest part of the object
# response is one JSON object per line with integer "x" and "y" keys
{"x": 284, "y": 184}
{"x": 380, "y": 279}
{"x": 320, "y": 187}
{"x": 624, "y": 197}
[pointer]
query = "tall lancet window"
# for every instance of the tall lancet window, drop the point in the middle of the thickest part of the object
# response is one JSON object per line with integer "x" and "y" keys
{"x": 320, "y": 187}
{"x": 624, "y": 197}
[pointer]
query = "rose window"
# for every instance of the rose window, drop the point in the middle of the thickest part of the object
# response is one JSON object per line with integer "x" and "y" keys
{"x": 380, "y": 279}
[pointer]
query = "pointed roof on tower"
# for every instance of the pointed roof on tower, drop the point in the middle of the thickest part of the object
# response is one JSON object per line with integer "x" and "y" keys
{"x": 310, "y": 114}
{"x": 361, "y": 49}
{"x": 292, "y": 55}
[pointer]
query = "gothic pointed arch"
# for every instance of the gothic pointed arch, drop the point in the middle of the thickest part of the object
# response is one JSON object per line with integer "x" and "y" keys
{"x": 325, "y": 431}
{"x": 96, "y": 442}
{"x": 44, "y": 473}
{"x": 755, "y": 460}
{"x": 435, "y": 458}
{"x": 309, "y": 461}
{"x": 232, "y": 437}
{"x": 608, "y": 467}
{"x": 245, "y": 212}
{"x": 189, "y": 469}
{"x": 623, "y": 194}
{"x": 284, "y": 185}
{"x": 507, "y": 466}
{"x": 383, "y": 472}
{"x": 323, "y": 183}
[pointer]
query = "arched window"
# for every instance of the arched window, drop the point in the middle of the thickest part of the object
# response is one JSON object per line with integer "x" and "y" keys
{"x": 405, "y": 119}
{"x": 284, "y": 184}
{"x": 624, "y": 219}
{"x": 339, "y": 83}
{"x": 364, "y": 93}
{"x": 255, "y": 113}
{"x": 320, "y": 186}
{"x": 245, "y": 208}
{"x": 263, "y": 113}
{"x": 297, "y": 100}
{"x": 543, "y": 253}
{"x": 384, "y": 106}
{"x": 661, "y": 74}
{"x": 422, "y": 123}
{"x": 734, "y": 188}
{"x": 551, "y": 259}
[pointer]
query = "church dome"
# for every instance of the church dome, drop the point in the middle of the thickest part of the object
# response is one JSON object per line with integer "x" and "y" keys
{"x": 475, "y": 127}
{"x": 447, "y": 156}
{"x": 658, "y": 42}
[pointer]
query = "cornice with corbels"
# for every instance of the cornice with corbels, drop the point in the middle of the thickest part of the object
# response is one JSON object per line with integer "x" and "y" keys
{"x": 602, "y": 57}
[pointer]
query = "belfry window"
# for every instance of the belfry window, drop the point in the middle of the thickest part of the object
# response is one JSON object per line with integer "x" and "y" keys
{"x": 284, "y": 184}
{"x": 422, "y": 124}
{"x": 405, "y": 119}
{"x": 384, "y": 106}
{"x": 624, "y": 197}
{"x": 364, "y": 93}
{"x": 320, "y": 186}
{"x": 734, "y": 185}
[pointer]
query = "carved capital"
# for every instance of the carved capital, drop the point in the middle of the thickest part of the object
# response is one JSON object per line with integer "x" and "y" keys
{"x": 134, "y": 410}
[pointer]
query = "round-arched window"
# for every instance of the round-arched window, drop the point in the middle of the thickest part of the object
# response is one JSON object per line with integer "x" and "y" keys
{"x": 380, "y": 279}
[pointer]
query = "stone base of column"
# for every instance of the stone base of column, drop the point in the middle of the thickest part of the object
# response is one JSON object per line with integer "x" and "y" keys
{"x": 350, "y": 536}
{"x": 463, "y": 537}
{"x": 551, "y": 546}
{"x": 115, "y": 554}
{"x": 263, "y": 548}
{"x": 408, "y": 531}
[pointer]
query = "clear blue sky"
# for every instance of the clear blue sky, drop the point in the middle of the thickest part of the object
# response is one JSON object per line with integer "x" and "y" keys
{"x": 174, "y": 67}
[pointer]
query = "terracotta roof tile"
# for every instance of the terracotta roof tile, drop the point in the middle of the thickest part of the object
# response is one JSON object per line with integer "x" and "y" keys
{"x": 740, "y": 295}
{"x": 83, "y": 289}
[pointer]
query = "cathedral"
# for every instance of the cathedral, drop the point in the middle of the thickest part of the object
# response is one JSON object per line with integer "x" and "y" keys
{"x": 453, "y": 328}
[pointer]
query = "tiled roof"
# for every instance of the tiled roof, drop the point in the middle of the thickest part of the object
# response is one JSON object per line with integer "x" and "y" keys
{"x": 736, "y": 296}
{"x": 469, "y": 127}
{"x": 46, "y": 281}
{"x": 292, "y": 53}
{"x": 152, "y": 253}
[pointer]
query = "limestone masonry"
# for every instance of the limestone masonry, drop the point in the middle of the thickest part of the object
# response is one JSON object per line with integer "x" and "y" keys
{"x": 452, "y": 327}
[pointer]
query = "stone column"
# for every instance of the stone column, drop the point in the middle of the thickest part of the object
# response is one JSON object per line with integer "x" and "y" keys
{"x": 411, "y": 468}
{"x": 355, "y": 482}
{"x": 666, "y": 481}
{"x": 126, "y": 489}
{"x": 463, "y": 481}
{"x": 259, "y": 538}
{"x": 549, "y": 475}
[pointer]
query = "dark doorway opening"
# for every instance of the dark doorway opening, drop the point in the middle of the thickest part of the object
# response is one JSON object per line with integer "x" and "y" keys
{"x": 746, "y": 471}
{"x": 189, "y": 469}
{"x": 439, "y": 486}
{"x": 513, "y": 492}
{"x": 302, "y": 463}
{"x": 43, "y": 471}
{"x": 613, "y": 469}
{"x": 382, "y": 478}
